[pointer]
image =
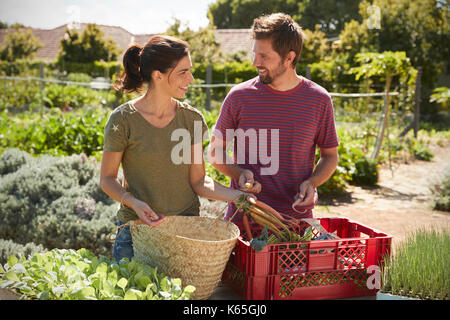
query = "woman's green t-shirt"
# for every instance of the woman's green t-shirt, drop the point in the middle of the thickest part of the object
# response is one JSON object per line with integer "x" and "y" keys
{"x": 155, "y": 161}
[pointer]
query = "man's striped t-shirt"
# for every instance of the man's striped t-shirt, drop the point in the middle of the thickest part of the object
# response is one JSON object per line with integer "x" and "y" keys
{"x": 291, "y": 123}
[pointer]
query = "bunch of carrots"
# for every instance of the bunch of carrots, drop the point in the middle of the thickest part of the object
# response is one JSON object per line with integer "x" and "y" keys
{"x": 264, "y": 215}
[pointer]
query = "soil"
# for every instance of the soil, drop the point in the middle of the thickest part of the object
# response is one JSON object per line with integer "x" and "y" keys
{"x": 401, "y": 203}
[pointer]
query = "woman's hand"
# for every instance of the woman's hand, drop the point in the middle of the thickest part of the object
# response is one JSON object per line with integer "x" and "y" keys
{"x": 145, "y": 213}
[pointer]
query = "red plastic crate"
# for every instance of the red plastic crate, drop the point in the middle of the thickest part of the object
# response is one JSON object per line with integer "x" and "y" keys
{"x": 302, "y": 286}
{"x": 266, "y": 274}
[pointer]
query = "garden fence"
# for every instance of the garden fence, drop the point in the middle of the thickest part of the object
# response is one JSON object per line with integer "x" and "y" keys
{"x": 349, "y": 107}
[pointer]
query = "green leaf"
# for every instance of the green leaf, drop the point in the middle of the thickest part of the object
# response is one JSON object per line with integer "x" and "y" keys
{"x": 131, "y": 294}
{"x": 58, "y": 290}
{"x": 102, "y": 267}
{"x": 142, "y": 280}
{"x": 151, "y": 288}
{"x": 6, "y": 283}
{"x": 122, "y": 283}
{"x": 112, "y": 277}
{"x": 165, "y": 284}
{"x": 11, "y": 275}
{"x": 12, "y": 260}
{"x": 19, "y": 268}
{"x": 108, "y": 286}
{"x": 166, "y": 295}
{"x": 43, "y": 295}
{"x": 189, "y": 289}
{"x": 96, "y": 282}
{"x": 87, "y": 292}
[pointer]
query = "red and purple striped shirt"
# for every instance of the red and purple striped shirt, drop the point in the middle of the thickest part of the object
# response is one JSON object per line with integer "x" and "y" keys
{"x": 304, "y": 117}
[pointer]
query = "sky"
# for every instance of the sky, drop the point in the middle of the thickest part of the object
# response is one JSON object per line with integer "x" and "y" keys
{"x": 136, "y": 16}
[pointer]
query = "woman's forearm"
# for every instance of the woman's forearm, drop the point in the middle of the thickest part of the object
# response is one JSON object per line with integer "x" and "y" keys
{"x": 112, "y": 188}
{"x": 211, "y": 189}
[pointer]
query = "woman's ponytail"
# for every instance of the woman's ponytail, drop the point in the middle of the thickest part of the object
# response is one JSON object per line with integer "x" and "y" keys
{"x": 160, "y": 53}
{"x": 131, "y": 78}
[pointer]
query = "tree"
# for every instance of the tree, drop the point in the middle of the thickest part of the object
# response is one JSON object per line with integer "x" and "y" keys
{"x": 202, "y": 43}
{"x": 420, "y": 28}
{"x": 387, "y": 64}
{"x": 239, "y": 14}
{"x": 315, "y": 46}
{"x": 88, "y": 47}
{"x": 19, "y": 44}
{"x": 330, "y": 15}
{"x": 355, "y": 38}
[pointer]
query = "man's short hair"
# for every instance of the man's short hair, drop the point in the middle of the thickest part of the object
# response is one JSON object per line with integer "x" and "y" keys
{"x": 285, "y": 33}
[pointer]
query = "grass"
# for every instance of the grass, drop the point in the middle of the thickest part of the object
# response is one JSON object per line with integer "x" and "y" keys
{"x": 420, "y": 266}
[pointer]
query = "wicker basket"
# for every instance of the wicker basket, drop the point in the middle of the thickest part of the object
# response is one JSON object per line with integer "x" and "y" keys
{"x": 194, "y": 249}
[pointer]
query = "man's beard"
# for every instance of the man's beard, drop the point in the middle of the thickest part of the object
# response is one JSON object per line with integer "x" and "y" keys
{"x": 270, "y": 76}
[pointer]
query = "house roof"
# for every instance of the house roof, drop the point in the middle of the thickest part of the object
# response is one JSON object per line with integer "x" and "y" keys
{"x": 230, "y": 40}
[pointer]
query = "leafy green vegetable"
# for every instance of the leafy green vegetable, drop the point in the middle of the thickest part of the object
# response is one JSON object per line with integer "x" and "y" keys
{"x": 62, "y": 274}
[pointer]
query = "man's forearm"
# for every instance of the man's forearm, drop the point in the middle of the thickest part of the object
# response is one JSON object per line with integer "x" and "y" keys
{"x": 324, "y": 170}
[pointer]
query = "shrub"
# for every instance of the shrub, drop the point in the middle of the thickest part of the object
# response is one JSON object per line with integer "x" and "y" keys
{"x": 79, "y": 77}
{"x": 353, "y": 167}
{"x": 422, "y": 153}
{"x": 55, "y": 132}
{"x": 12, "y": 159}
{"x": 57, "y": 96}
{"x": 441, "y": 194}
{"x": 418, "y": 149}
{"x": 366, "y": 172}
{"x": 56, "y": 202}
{"x": 9, "y": 247}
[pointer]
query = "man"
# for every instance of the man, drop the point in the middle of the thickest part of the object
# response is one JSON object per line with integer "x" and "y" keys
{"x": 297, "y": 113}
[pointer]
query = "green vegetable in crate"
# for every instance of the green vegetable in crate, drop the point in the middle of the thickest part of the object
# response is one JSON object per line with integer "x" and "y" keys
{"x": 260, "y": 242}
{"x": 307, "y": 236}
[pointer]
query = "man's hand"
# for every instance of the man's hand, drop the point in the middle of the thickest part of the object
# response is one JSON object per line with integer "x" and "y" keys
{"x": 247, "y": 183}
{"x": 306, "y": 197}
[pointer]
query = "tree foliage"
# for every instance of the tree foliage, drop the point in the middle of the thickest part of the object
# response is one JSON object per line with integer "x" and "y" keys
{"x": 420, "y": 28}
{"x": 239, "y": 14}
{"x": 387, "y": 64}
{"x": 329, "y": 15}
{"x": 203, "y": 45}
{"x": 87, "y": 47}
{"x": 315, "y": 46}
{"x": 19, "y": 44}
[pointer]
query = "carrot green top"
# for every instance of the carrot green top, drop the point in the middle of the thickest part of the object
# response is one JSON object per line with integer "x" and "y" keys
{"x": 156, "y": 160}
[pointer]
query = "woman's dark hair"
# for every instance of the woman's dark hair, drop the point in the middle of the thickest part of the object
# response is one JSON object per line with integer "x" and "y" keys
{"x": 160, "y": 53}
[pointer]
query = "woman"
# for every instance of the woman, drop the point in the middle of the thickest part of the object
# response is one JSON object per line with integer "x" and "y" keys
{"x": 142, "y": 136}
